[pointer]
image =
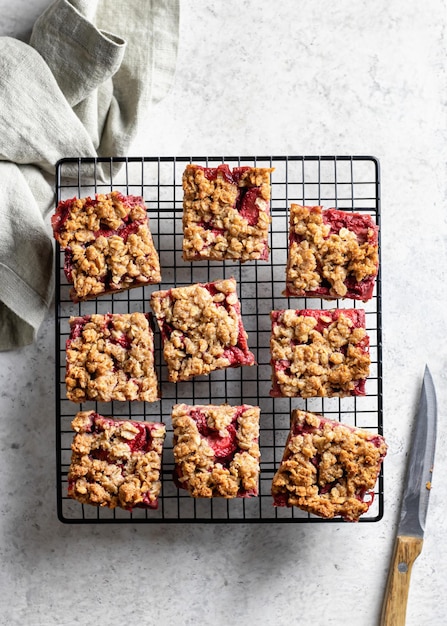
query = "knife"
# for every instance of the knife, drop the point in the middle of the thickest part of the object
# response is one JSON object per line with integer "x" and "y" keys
{"x": 410, "y": 532}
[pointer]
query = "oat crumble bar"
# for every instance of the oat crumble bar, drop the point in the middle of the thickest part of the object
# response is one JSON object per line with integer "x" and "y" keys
{"x": 226, "y": 213}
{"x": 115, "y": 463}
{"x": 328, "y": 468}
{"x": 319, "y": 353}
{"x": 201, "y": 328}
{"x": 111, "y": 357}
{"x": 332, "y": 254}
{"x": 216, "y": 450}
{"x": 107, "y": 242}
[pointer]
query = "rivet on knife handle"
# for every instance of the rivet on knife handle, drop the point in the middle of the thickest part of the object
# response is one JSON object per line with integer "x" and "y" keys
{"x": 394, "y": 609}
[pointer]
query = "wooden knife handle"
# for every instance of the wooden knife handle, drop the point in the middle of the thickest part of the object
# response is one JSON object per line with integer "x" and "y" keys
{"x": 394, "y": 609}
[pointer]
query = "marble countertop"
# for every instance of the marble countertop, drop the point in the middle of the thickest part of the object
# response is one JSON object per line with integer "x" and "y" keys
{"x": 307, "y": 78}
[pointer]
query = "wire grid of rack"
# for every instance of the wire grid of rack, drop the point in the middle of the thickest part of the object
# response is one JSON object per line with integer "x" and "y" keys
{"x": 350, "y": 183}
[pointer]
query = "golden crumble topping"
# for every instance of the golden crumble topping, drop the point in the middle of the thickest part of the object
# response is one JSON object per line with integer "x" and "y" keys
{"x": 332, "y": 254}
{"x": 108, "y": 244}
{"x": 201, "y": 328}
{"x": 216, "y": 450}
{"x": 328, "y": 468}
{"x": 226, "y": 214}
{"x": 115, "y": 463}
{"x": 111, "y": 357}
{"x": 319, "y": 353}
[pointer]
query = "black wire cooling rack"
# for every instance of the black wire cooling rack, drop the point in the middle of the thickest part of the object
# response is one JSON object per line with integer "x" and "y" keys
{"x": 344, "y": 182}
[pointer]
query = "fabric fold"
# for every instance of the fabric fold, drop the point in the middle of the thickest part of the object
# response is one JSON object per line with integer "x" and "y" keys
{"x": 37, "y": 124}
{"x": 90, "y": 56}
{"x": 26, "y": 253}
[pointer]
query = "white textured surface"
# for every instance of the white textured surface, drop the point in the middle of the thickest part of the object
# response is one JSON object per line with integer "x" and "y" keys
{"x": 260, "y": 77}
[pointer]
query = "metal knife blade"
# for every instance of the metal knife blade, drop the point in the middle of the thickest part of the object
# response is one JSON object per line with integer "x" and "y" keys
{"x": 410, "y": 532}
{"x": 420, "y": 463}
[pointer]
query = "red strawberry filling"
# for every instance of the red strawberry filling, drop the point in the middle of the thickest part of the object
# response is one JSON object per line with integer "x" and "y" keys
{"x": 200, "y": 419}
{"x": 247, "y": 205}
{"x": 127, "y": 228}
{"x": 223, "y": 171}
{"x": 59, "y": 218}
{"x": 236, "y": 356}
{"x": 147, "y": 503}
{"x": 210, "y": 226}
{"x": 224, "y": 448}
{"x": 353, "y": 222}
{"x": 68, "y": 265}
{"x": 238, "y": 172}
{"x": 280, "y": 500}
{"x": 302, "y": 429}
{"x": 77, "y": 326}
{"x": 211, "y": 288}
{"x": 211, "y": 173}
{"x": 142, "y": 440}
{"x": 100, "y": 454}
{"x": 123, "y": 340}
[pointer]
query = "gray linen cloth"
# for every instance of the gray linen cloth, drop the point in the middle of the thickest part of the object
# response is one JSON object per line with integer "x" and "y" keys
{"x": 79, "y": 88}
